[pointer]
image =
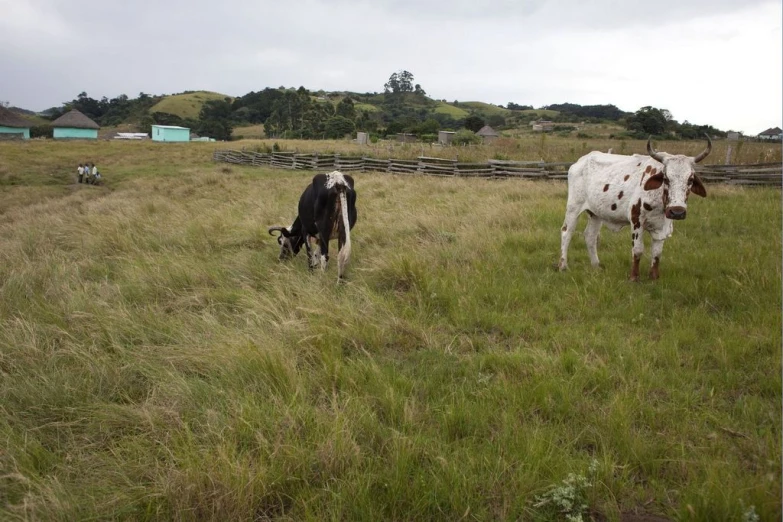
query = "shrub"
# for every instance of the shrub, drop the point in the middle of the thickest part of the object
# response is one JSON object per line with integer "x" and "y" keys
{"x": 41, "y": 131}
{"x": 465, "y": 137}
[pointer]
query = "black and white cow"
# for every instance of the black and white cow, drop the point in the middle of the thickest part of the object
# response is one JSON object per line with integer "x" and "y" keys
{"x": 647, "y": 192}
{"x": 327, "y": 210}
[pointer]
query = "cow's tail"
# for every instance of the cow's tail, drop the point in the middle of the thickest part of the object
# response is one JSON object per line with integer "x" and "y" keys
{"x": 344, "y": 255}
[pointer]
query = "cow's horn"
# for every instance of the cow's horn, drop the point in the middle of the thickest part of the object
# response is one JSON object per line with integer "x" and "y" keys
{"x": 706, "y": 152}
{"x": 652, "y": 152}
{"x": 275, "y": 229}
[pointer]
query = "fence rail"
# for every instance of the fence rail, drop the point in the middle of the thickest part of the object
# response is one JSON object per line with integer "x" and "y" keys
{"x": 769, "y": 174}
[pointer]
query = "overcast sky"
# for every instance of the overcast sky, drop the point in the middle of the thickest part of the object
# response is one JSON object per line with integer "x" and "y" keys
{"x": 707, "y": 61}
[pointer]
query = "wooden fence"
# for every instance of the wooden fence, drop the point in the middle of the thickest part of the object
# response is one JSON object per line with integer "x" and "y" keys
{"x": 758, "y": 174}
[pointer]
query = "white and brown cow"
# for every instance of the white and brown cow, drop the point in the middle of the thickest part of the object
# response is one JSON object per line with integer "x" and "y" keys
{"x": 646, "y": 191}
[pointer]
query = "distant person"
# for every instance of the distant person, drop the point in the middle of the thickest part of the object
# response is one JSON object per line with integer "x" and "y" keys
{"x": 94, "y": 174}
{"x": 80, "y": 170}
{"x": 87, "y": 174}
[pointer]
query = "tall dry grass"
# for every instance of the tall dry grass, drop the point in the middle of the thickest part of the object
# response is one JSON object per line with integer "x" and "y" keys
{"x": 158, "y": 363}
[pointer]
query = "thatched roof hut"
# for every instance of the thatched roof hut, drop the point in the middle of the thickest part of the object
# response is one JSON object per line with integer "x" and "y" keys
{"x": 75, "y": 120}
{"x": 486, "y": 130}
{"x": 9, "y": 118}
{"x": 488, "y": 134}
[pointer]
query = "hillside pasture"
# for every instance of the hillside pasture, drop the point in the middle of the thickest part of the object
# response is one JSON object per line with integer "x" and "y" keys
{"x": 159, "y": 363}
{"x": 186, "y": 105}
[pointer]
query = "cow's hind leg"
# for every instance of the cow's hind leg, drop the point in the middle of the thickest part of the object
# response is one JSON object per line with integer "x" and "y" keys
{"x": 591, "y": 238}
{"x": 566, "y": 232}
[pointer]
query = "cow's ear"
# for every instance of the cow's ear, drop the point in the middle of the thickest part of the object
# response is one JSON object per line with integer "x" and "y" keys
{"x": 654, "y": 182}
{"x": 698, "y": 187}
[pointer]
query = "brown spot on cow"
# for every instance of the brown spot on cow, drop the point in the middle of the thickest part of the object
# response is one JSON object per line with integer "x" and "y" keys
{"x": 606, "y": 187}
{"x": 653, "y": 172}
{"x": 639, "y": 164}
{"x": 636, "y": 211}
{"x": 648, "y": 169}
{"x": 626, "y": 177}
{"x": 564, "y": 229}
{"x": 620, "y": 195}
{"x": 665, "y": 198}
{"x": 614, "y": 206}
{"x": 647, "y": 206}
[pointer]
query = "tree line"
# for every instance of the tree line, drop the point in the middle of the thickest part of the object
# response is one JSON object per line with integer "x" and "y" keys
{"x": 402, "y": 107}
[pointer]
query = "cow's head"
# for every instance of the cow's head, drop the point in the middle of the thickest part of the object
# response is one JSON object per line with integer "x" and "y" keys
{"x": 678, "y": 177}
{"x": 289, "y": 245}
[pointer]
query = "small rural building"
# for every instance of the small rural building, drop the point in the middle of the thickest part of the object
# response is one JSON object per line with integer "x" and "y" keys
{"x": 775, "y": 133}
{"x": 13, "y": 126}
{"x": 445, "y": 137}
{"x": 170, "y": 133}
{"x": 75, "y": 125}
{"x": 362, "y": 138}
{"x": 542, "y": 125}
{"x": 488, "y": 134}
{"x": 406, "y": 138}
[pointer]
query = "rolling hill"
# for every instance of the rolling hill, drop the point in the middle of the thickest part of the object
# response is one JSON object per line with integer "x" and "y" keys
{"x": 186, "y": 105}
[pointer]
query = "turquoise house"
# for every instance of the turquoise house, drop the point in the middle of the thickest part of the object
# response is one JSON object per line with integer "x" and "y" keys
{"x": 170, "y": 133}
{"x": 13, "y": 126}
{"x": 75, "y": 125}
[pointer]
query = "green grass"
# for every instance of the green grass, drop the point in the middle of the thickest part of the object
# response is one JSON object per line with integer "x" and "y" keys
{"x": 186, "y": 105}
{"x": 486, "y": 108}
{"x": 449, "y": 109}
{"x": 158, "y": 362}
{"x": 365, "y": 107}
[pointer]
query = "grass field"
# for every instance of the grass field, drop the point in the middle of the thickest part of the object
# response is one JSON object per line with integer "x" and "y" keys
{"x": 486, "y": 108}
{"x": 249, "y": 131}
{"x": 186, "y": 105}
{"x": 158, "y": 363}
{"x": 451, "y": 110}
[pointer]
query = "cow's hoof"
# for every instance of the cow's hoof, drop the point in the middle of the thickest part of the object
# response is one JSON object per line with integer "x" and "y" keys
{"x": 633, "y": 278}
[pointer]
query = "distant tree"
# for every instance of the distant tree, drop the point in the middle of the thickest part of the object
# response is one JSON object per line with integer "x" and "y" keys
{"x": 465, "y": 137}
{"x": 419, "y": 90}
{"x": 648, "y": 120}
{"x": 214, "y": 120}
{"x": 346, "y": 109}
{"x": 338, "y": 127}
{"x": 496, "y": 120}
{"x": 474, "y": 123}
{"x": 516, "y": 107}
{"x": 428, "y": 126}
{"x": 399, "y": 82}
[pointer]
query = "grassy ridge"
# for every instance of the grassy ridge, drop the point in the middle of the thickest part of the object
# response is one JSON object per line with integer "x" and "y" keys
{"x": 158, "y": 362}
{"x": 186, "y": 105}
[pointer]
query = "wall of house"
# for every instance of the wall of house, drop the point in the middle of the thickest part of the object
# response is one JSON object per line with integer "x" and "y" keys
{"x": 15, "y": 130}
{"x": 164, "y": 134}
{"x": 69, "y": 132}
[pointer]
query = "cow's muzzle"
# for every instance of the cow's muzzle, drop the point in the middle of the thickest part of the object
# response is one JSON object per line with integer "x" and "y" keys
{"x": 675, "y": 212}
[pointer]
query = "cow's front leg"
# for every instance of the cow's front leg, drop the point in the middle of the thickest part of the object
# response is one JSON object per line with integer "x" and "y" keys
{"x": 310, "y": 251}
{"x": 323, "y": 259}
{"x": 637, "y": 251}
{"x": 657, "y": 249}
